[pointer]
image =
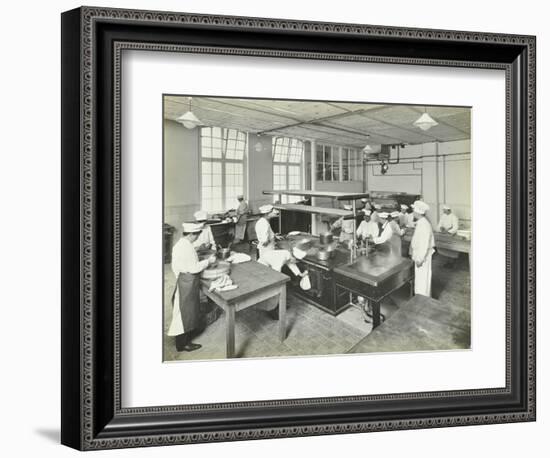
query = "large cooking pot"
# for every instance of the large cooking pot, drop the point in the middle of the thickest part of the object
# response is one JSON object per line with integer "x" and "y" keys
{"x": 325, "y": 238}
{"x": 324, "y": 255}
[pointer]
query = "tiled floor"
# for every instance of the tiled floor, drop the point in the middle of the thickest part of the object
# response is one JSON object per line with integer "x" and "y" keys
{"x": 310, "y": 331}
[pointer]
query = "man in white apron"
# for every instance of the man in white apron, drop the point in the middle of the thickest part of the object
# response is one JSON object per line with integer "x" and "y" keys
{"x": 205, "y": 240}
{"x": 186, "y": 319}
{"x": 422, "y": 249}
{"x": 387, "y": 237}
{"x": 242, "y": 214}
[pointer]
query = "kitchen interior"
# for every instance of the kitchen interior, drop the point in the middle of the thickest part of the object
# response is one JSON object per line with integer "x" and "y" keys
{"x": 322, "y": 166}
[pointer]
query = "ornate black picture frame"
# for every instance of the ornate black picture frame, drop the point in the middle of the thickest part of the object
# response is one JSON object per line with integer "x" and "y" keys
{"x": 92, "y": 42}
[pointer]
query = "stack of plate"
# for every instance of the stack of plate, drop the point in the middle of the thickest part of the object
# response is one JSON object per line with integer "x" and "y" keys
{"x": 216, "y": 270}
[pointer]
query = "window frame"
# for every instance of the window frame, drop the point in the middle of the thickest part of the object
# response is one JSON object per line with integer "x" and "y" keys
{"x": 336, "y": 157}
{"x": 290, "y": 146}
{"x": 224, "y": 160}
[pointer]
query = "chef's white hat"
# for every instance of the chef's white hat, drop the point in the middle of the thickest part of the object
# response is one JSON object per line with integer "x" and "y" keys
{"x": 404, "y": 207}
{"x": 347, "y": 207}
{"x": 192, "y": 228}
{"x": 367, "y": 212}
{"x": 364, "y": 199}
{"x": 420, "y": 207}
{"x": 201, "y": 215}
{"x": 446, "y": 207}
{"x": 383, "y": 215}
{"x": 394, "y": 214}
{"x": 377, "y": 206}
{"x": 264, "y": 209}
{"x": 240, "y": 196}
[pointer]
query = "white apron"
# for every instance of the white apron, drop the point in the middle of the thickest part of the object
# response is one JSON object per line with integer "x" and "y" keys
{"x": 423, "y": 277}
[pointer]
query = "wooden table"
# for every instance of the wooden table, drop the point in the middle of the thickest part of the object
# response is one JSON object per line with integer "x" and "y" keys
{"x": 421, "y": 324}
{"x": 375, "y": 277}
{"x": 256, "y": 283}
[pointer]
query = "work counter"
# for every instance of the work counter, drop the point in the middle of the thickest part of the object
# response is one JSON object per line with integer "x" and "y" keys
{"x": 374, "y": 276}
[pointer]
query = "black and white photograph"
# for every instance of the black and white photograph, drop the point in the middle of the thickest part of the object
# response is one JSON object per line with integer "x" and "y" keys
{"x": 314, "y": 227}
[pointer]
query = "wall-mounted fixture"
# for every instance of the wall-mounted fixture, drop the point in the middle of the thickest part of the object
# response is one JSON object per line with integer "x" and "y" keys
{"x": 384, "y": 168}
{"x": 188, "y": 119}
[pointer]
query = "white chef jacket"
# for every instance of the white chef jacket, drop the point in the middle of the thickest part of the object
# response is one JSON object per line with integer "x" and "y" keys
{"x": 422, "y": 249}
{"x": 403, "y": 219}
{"x": 205, "y": 237}
{"x": 184, "y": 260}
{"x": 264, "y": 233}
{"x": 449, "y": 223}
{"x": 276, "y": 259}
{"x": 409, "y": 221}
{"x": 386, "y": 234}
{"x": 367, "y": 228}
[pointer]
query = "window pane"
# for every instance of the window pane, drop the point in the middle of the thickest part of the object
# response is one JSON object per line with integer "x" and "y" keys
{"x": 217, "y": 145}
{"x": 320, "y": 163}
{"x": 345, "y": 164}
{"x": 328, "y": 163}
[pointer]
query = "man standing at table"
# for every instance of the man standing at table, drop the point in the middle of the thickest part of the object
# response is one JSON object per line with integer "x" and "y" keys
{"x": 242, "y": 214}
{"x": 422, "y": 249}
{"x": 186, "y": 315}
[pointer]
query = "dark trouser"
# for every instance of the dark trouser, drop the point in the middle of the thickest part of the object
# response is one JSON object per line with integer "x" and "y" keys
{"x": 188, "y": 286}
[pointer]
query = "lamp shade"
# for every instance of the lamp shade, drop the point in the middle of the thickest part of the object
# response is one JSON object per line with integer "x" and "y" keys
{"x": 425, "y": 122}
{"x": 189, "y": 120}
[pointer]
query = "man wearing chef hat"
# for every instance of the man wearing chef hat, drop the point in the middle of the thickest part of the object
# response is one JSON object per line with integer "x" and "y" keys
{"x": 205, "y": 240}
{"x": 388, "y": 236}
{"x": 403, "y": 215}
{"x": 346, "y": 226}
{"x": 186, "y": 318}
{"x": 368, "y": 229}
{"x": 394, "y": 223}
{"x": 271, "y": 257}
{"x": 448, "y": 222}
{"x": 267, "y": 253}
{"x": 422, "y": 249}
{"x": 242, "y": 214}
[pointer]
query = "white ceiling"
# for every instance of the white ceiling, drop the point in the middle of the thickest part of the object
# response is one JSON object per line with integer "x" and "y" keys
{"x": 340, "y": 123}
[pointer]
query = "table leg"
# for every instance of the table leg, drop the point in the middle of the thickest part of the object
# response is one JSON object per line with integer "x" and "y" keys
{"x": 230, "y": 331}
{"x": 282, "y": 313}
{"x": 375, "y": 314}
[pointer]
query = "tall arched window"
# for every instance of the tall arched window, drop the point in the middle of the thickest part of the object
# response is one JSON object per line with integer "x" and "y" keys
{"x": 288, "y": 154}
{"x": 222, "y": 167}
